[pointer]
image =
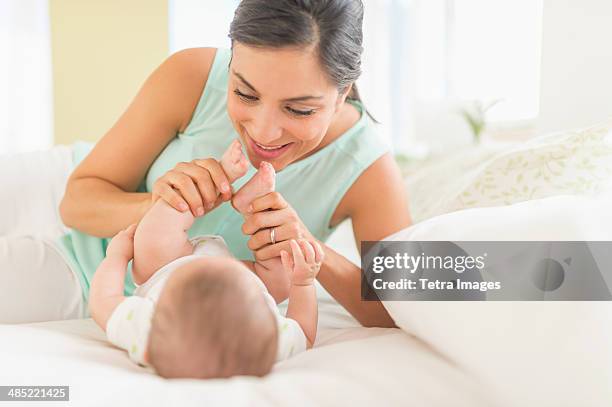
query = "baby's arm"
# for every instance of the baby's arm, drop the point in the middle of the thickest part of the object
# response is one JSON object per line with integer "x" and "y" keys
{"x": 106, "y": 291}
{"x": 303, "y": 268}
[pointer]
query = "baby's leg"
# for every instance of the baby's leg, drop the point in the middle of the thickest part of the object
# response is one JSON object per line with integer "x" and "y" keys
{"x": 261, "y": 184}
{"x": 161, "y": 236}
{"x": 234, "y": 162}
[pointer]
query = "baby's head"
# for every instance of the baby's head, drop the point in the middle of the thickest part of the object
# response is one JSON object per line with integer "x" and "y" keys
{"x": 211, "y": 321}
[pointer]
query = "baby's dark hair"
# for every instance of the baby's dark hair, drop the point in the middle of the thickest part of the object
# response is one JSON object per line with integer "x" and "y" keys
{"x": 215, "y": 326}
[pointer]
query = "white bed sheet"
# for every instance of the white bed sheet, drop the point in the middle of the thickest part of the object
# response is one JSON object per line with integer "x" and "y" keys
{"x": 351, "y": 365}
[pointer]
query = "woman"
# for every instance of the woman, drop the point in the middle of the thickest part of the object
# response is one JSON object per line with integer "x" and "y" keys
{"x": 286, "y": 90}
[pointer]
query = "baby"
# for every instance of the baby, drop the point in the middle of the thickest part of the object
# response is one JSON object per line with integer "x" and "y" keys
{"x": 197, "y": 312}
{"x": 161, "y": 236}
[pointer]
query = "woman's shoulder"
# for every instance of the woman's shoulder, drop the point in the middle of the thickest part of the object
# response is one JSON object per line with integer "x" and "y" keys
{"x": 359, "y": 138}
{"x": 191, "y": 69}
{"x": 209, "y": 95}
{"x": 200, "y": 55}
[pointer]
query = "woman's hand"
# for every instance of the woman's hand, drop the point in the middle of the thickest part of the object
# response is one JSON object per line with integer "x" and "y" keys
{"x": 272, "y": 212}
{"x": 199, "y": 185}
{"x": 274, "y": 277}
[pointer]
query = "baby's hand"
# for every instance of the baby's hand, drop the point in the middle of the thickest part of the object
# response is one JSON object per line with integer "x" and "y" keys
{"x": 305, "y": 263}
{"x": 122, "y": 245}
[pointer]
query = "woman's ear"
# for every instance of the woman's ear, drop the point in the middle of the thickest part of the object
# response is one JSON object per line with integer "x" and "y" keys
{"x": 342, "y": 96}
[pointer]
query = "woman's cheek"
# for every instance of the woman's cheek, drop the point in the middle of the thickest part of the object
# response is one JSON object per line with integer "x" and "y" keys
{"x": 235, "y": 112}
{"x": 315, "y": 132}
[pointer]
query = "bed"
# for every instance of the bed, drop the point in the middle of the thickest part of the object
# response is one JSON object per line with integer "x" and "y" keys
{"x": 349, "y": 365}
{"x": 431, "y": 361}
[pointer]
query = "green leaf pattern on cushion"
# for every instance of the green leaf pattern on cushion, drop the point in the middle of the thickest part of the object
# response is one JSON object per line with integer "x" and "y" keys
{"x": 573, "y": 162}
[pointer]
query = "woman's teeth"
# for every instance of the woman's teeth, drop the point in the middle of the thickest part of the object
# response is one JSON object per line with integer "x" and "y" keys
{"x": 269, "y": 152}
{"x": 270, "y": 148}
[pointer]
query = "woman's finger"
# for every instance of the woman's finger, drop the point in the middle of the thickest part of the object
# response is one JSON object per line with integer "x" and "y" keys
{"x": 207, "y": 190}
{"x": 266, "y": 219}
{"x": 218, "y": 176}
{"x": 308, "y": 250}
{"x": 204, "y": 183}
{"x": 282, "y": 232}
{"x": 271, "y": 251}
{"x": 273, "y": 200}
{"x": 172, "y": 196}
{"x": 188, "y": 190}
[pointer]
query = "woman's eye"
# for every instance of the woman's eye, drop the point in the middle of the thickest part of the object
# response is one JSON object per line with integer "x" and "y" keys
{"x": 252, "y": 99}
{"x": 300, "y": 112}
{"x": 246, "y": 98}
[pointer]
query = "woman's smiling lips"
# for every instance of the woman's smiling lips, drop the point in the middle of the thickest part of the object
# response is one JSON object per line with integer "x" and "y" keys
{"x": 268, "y": 152}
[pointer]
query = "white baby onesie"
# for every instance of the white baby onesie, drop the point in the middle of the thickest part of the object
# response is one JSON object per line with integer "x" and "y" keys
{"x": 128, "y": 327}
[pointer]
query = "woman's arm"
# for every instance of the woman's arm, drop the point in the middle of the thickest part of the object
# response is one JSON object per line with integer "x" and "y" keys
{"x": 378, "y": 207}
{"x": 100, "y": 198}
{"x": 273, "y": 275}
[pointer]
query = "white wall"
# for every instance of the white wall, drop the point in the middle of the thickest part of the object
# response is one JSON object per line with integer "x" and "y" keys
{"x": 576, "y": 79}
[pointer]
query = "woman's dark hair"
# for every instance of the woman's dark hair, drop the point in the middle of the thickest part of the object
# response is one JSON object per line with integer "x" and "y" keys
{"x": 334, "y": 27}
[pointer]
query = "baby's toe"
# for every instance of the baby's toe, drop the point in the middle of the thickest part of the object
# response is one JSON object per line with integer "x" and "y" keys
{"x": 262, "y": 183}
{"x": 234, "y": 162}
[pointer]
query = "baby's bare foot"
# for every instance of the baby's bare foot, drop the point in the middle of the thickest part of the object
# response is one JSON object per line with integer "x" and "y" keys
{"x": 234, "y": 162}
{"x": 261, "y": 184}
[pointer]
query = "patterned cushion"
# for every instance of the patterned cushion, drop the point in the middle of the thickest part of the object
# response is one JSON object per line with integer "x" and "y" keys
{"x": 573, "y": 162}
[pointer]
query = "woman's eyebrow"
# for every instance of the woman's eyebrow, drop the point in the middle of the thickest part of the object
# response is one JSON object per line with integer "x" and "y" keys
{"x": 295, "y": 99}
{"x": 245, "y": 81}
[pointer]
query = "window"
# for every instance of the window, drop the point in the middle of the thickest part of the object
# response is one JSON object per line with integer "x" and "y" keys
{"x": 420, "y": 55}
{"x": 26, "y": 98}
{"x": 495, "y": 48}
{"x": 200, "y": 23}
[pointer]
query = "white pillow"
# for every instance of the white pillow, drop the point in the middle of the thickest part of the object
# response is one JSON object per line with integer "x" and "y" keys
{"x": 570, "y": 162}
{"x": 525, "y": 353}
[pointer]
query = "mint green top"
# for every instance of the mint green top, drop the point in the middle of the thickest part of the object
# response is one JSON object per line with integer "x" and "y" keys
{"x": 313, "y": 186}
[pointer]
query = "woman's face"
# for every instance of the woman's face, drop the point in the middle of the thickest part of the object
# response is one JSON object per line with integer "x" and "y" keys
{"x": 280, "y": 103}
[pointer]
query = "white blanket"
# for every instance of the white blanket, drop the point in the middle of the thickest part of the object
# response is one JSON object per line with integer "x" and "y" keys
{"x": 349, "y": 366}
{"x": 543, "y": 353}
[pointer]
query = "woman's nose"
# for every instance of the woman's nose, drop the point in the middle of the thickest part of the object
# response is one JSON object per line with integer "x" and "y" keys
{"x": 266, "y": 127}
